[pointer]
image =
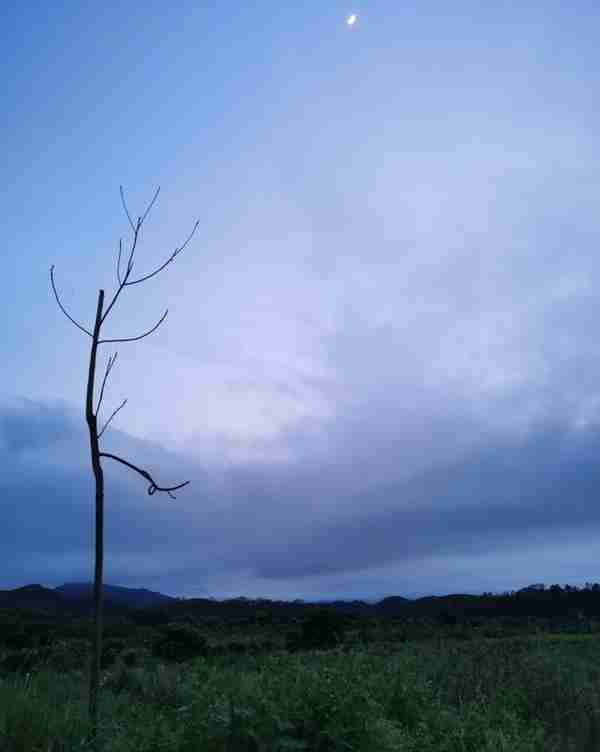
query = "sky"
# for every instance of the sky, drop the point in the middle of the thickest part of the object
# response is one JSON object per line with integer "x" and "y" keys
{"x": 380, "y": 371}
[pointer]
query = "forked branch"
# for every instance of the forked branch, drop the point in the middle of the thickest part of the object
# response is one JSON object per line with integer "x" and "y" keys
{"x": 174, "y": 255}
{"x": 143, "y": 217}
{"x": 153, "y": 487}
{"x": 124, "y": 280}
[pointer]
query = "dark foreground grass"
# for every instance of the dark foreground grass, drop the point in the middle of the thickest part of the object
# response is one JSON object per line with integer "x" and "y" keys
{"x": 484, "y": 696}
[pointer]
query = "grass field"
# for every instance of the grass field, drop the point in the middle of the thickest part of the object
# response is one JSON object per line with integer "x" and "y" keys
{"x": 510, "y": 695}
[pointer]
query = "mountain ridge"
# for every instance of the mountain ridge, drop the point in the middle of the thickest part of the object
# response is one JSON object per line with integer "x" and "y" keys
{"x": 76, "y": 599}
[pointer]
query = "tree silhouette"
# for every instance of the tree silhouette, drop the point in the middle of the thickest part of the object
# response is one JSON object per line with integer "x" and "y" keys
{"x": 92, "y": 411}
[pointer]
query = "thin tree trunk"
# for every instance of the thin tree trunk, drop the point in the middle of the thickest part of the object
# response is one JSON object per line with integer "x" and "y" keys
{"x": 91, "y": 417}
{"x": 92, "y": 423}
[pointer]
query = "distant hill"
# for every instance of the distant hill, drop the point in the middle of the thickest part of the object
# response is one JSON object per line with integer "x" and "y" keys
{"x": 76, "y": 598}
{"x": 115, "y": 594}
{"x": 393, "y": 605}
{"x": 34, "y": 597}
{"x": 354, "y": 608}
{"x": 149, "y": 607}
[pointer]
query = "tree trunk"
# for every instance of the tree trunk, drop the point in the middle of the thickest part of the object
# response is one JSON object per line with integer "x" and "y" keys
{"x": 92, "y": 422}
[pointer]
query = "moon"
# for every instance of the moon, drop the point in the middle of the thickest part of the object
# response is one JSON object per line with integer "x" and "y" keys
{"x": 351, "y": 19}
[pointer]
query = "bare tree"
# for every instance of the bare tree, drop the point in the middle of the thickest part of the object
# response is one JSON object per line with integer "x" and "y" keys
{"x": 92, "y": 411}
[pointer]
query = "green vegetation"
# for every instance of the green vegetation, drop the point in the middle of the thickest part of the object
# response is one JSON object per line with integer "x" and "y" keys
{"x": 512, "y": 673}
{"x": 235, "y": 687}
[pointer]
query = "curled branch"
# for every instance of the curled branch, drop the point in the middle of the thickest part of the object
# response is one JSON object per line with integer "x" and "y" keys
{"x": 61, "y": 306}
{"x": 140, "y": 336}
{"x": 153, "y": 486}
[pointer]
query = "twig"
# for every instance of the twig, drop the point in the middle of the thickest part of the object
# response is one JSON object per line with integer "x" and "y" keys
{"x": 141, "y": 219}
{"x": 136, "y": 234}
{"x": 119, "y": 262}
{"x": 114, "y": 412}
{"x": 150, "y": 205}
{"x": 109, "y": 366}
{"x": 62, "y": 308}
{"x": 175, "y": 253}
{"x": 123, "y": 282}
{"x": 125, "y": 207}
{"x": 140, "y": 336}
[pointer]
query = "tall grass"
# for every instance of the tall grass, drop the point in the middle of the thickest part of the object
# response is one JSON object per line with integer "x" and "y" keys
{"x": 42, "y": 713}
{"x": 487, "y": 696}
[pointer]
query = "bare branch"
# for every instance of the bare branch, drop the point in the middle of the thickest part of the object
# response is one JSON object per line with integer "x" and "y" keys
{"x": 150, "y": 205}
{"x": 125, "y": 207}
{"x": 136, "y": 234}
{"x": 123, "y": 282}
{"x": 136, "y": 231}
{"x": 62, "y": 308}
{"x": 141, "y": 219}
{"x": 109, "y": 366}
{"x": 175, "y": 253}
{"x": 140, "y": 336}
{"x": 119, "y": 262}
{"x": 114, "y": 412}
{"x": 153, "y": 487}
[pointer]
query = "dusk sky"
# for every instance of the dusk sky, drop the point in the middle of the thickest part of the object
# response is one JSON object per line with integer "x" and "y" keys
{"x": 381, "y": 365}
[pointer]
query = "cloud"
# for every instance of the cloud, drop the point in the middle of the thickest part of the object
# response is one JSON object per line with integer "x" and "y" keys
{"x": 508, "y": 496}
{"x": 29, "y": 425}
{"x": 380, "y": 370}
{"x": 292, "y": 528}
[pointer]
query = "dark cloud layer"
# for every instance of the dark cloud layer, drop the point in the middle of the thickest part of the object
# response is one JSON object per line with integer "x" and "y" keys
{"x": 269, "y": 528}
{"x": 502, "y": 497}
{"x": 31, "y": 425}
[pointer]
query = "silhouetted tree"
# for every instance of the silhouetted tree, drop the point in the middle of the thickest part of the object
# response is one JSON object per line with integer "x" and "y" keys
{"x": 92, "y": 411}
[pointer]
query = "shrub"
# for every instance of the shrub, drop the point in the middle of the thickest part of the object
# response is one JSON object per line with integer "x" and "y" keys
{"x": 68, "y": 655}
{"x": 18, "y": 639}
{"x": 179, "y": 642}
{"x": 110, "y": 650}
{"x": 130, "y": 657}
{"x": 322, "y": 629}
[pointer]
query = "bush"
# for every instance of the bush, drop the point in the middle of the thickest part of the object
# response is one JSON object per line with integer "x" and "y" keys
{"x": 179, "y": 642}
{"x": 130, "y": 658}
{"x": 18, "y": 639}
{"x": 68, "y": 655}
{"x": 322, "y": 629}
{"x": 110, "y": 650}
{"x": 19, "y": 661}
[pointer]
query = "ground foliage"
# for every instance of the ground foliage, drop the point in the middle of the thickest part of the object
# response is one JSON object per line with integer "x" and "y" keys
{"x": 182, "y": 688}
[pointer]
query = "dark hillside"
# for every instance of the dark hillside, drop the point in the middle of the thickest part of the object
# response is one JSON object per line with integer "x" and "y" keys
{"x": 115, "y": 594}
{"x": 32, "y": 597}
